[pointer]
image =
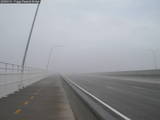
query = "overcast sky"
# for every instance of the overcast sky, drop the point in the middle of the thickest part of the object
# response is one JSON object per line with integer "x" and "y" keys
{"x": 97, "y": 35}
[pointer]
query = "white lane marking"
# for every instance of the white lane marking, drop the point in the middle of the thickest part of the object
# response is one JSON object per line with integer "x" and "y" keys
{"x": 109, "y": 87}
{"x": 103, "y": 103}
{"x": 137, "y": 87}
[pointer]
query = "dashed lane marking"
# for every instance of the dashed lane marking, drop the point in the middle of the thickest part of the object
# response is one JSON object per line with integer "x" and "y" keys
{"x": 32, "y": 97}
{"x": 26, "y": 103}
{"x": 18, "y": 111}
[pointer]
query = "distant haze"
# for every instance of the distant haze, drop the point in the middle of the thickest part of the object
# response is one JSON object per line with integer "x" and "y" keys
{"x": 96, "y": 35}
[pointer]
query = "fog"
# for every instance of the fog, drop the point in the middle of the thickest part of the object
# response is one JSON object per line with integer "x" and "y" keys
{"x": 96, "y": 35}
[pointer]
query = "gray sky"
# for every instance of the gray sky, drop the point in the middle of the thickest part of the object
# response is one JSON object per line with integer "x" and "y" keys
{"x": 97, "y": 35}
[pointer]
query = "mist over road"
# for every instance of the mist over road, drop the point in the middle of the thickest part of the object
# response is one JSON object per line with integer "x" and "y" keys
{"x": 136, "y": 98}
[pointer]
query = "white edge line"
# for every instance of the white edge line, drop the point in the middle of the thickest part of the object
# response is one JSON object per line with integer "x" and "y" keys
{"x": 103, "y": 103}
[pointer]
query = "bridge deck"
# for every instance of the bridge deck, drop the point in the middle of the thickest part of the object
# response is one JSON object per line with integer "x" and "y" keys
{"x": 44, "y": 100}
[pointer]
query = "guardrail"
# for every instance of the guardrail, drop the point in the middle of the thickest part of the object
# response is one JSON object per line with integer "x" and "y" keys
{"x": 14, "y": 68}
{"x": 10, "y": 68}
{"x": 13, "y": 77}
{"x": 100, "y": 109}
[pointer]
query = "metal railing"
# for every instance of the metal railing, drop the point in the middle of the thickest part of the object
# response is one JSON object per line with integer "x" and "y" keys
{"x": 8, "y": 67}
{"x": 14, "y": 68}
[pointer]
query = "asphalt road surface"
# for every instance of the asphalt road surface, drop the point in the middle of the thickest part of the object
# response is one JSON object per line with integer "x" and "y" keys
{"x": 136, "y": 98}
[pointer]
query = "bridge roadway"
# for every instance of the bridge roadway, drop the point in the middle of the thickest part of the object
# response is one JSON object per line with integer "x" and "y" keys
{"x": 138, "y": 98}
{"x": 44, "y": 100}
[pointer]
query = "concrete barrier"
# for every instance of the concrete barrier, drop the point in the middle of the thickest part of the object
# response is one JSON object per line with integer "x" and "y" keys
{"x": 79, "y": 107}
{"x": 9, "y": 83}
{"x": 12, "y": 79}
